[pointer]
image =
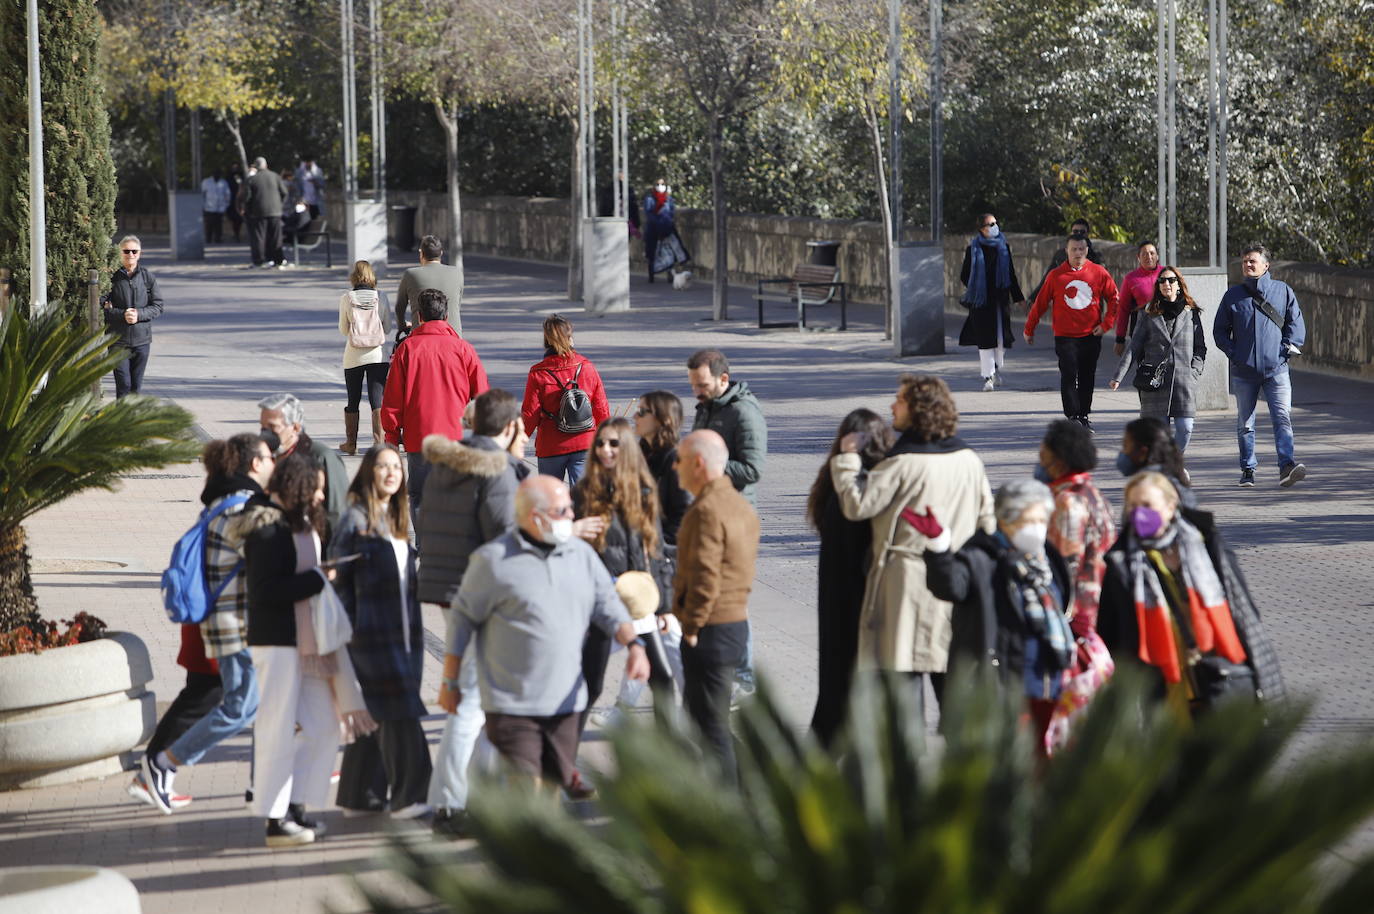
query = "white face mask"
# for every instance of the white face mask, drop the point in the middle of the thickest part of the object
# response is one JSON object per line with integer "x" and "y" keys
{"x": 661, "y": 188}
{"x": 559, "y": 531}
{"x": 994, "y": 231}
{"x": 1030, "y": 539}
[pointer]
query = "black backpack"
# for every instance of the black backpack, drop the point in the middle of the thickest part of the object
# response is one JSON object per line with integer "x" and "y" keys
{"x": 574, "y": 406}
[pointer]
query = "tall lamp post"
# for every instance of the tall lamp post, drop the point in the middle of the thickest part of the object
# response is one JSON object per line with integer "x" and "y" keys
{"x": 364, "y": 218}
{"x": 917, "y": 268}
{"x": 605, "y": 239}
{"x": 38, "y": 211}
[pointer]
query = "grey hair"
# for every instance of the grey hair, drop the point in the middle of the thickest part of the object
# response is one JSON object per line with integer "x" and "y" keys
{"x": 133, "y": 238}
{"x": 289, "y": 407}
{"x": 1015, "y": 497}
{"x": 259, "y": 162}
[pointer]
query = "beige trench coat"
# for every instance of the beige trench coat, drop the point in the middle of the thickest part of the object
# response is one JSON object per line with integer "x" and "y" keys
{"x": 903, "y": 628}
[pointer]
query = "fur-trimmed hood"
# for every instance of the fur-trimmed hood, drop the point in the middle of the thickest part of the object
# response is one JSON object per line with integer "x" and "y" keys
{"x": 480, "y": 458}
{"x": 253, "y": 517}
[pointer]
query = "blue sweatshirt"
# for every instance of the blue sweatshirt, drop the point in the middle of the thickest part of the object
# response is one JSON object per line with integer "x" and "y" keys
{"x": 1256, "y": 346}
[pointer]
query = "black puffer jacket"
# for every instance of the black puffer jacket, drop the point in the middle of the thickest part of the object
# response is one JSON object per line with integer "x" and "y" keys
{"x": 274, "y": 585}
{"x": 138, "y": 291}
{"x": 623, "y": 551}
{"x": 469, "y": 499}
{"x": 672, "y": 498}
{"x": 1116, "y": 618}
{"x": 988, "y": 623}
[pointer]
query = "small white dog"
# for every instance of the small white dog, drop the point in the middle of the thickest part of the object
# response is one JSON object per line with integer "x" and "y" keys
{"x": 682, "y": 279}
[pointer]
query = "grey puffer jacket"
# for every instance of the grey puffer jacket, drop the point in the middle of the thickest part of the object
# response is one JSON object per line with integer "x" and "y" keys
{"x": 737, "y": 417}
{"x": 469, "y": 499}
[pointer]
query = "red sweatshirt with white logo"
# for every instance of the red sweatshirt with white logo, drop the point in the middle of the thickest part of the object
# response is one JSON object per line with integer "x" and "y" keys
{"x": 1078, "y": 300}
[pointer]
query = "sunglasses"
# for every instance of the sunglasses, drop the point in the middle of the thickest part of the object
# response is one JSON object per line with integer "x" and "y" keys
{"x": 643, "y": 411}
{"x": 609, "y": 442}
{"x": 989, "y": 224}
{"x": 127, "y": 251}
{"x": 1173, "y": 280}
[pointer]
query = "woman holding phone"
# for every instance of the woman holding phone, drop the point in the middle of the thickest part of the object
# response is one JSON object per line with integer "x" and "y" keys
{"x": 378, "y": 588}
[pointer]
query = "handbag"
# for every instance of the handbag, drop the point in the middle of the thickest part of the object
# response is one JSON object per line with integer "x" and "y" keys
{"x": 333, "y": 630}
{"x": 1217, "y": 680}
{"x": 1093, "y": 666}
{"x": 1151, "y": 377}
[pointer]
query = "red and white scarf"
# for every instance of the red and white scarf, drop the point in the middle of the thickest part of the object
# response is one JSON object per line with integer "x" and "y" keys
{"x": 1209, "y": 613}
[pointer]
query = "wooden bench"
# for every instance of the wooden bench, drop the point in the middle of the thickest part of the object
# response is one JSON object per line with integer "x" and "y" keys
{"x": 810, "y": 285}
{"x": 316, "y": 234}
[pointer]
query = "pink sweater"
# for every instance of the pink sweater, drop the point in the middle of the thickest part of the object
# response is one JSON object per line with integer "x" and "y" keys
{"x": 1137, "y": 288}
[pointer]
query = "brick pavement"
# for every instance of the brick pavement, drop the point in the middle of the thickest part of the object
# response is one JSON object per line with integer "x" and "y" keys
{"x": 231, "y": 335}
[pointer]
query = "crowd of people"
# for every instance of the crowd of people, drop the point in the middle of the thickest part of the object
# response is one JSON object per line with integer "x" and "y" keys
{"x": 276, "y": 207}
{"x": 633, "y": 532}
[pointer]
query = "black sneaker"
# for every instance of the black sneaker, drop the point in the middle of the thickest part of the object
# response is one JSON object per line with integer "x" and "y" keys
{"x": 1247, "y": 479}
{"x": 296, "y": 813}
{"x": 158, "y": 781}
{"x": 1292, "y": 474}
{"x": 288, "y": 833}
{"x": 451, "y": 824}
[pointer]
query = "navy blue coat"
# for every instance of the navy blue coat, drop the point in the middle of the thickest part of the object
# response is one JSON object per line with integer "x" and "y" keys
{"x": 370, "y": 589}
{"x": 1256, "y": 346}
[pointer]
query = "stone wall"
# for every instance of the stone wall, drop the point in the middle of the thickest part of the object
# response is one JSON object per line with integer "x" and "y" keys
{"x": 1337, "y": 303}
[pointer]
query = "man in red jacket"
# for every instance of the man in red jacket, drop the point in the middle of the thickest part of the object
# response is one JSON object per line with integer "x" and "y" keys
{"x": 1081, "y": 298}
{"x": 434, "y": 373}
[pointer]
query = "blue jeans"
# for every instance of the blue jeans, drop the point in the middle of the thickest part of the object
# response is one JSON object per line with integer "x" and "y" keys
{"x": 564, "y": 464}
{"x": 448, "y": 785}
{"x": 1183, "y": 431}
{"x": 1278, "y": 393}
{"x": 236, "y": 710}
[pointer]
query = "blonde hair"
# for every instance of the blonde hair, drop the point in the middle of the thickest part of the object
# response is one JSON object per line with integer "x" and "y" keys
{"x": 558, "y": 334}
{"x": 363, "y": 275}
{"x": 1151, "y": 478}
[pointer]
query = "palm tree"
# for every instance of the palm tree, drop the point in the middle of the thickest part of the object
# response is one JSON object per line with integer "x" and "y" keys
{"x": 1144, "y": 813}
{"x": 58, "y": 438}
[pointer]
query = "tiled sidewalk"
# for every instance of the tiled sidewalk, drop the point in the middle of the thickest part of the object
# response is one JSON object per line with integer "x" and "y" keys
{"x": 231, "y": 335}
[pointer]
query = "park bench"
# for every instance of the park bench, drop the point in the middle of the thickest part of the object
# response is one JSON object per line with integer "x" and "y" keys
{"x": 313, "y": 235}
{"x": 810, "y": 285}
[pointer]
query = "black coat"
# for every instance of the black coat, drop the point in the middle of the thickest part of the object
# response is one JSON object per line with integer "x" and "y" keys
{"x": 1116, "y": 620}
{"x": 989, "y": 622}
{"x": 842, "y": 568}
{"x": 382, "y": 614}
{"x": 274, "y": 585}
{"x": 983, "y": 323}
{"x": 672, "y": 498}
{"x": 138, "y": 291}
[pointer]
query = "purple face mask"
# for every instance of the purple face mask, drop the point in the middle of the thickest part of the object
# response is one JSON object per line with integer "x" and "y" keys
{"x": 1147, "y": 522}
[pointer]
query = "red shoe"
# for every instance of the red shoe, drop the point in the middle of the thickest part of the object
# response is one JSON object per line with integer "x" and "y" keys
{"x": 577, "y": 790}
{"x": 139, "y": 791}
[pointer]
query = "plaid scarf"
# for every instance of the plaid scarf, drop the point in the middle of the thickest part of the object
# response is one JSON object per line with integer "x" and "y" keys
{"x": 1044, "y": 614}
{"x": 1208, "y": 612}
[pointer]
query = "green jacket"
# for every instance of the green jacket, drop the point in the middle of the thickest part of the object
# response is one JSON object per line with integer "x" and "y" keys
{"x": 737, "y": 417}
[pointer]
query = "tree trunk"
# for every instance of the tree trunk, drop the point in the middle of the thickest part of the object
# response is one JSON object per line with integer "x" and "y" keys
{"x": 575, "y": 215}
{"x": 720, "y": 281}
{"x": 230, "y": 120}
{"x": 18, "y": 605}
{"x": 448, "y": 119}
{"x": 875, "y": 135}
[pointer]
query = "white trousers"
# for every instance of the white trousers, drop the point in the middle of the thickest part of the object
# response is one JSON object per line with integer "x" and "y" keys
{"x": 990, "y": 360}
{"x": 296, "y": 735}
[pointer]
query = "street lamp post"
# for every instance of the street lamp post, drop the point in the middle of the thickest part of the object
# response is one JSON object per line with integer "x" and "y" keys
{"x": 605, "y": 239}
{"x": 38, "y": 216}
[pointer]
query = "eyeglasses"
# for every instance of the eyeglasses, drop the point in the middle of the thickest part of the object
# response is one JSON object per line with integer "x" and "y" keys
{"x": 1169, "y": 279}
{"x": 989, "y": 224}
{"x": 565, "y": 511}
{"x": 127, "y": 251}
{"x": 643, "y": 411}
{"x": 613, "y": 443}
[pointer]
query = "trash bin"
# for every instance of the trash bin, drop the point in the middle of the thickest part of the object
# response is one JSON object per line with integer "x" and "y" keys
{"x": 400, "y": 227}
{"x": 824, "y": 253}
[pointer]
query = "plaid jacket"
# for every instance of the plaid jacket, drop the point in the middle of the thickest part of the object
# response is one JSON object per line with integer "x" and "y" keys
{"x": 225, "y": 629}
{"x": 1082, "y": 529}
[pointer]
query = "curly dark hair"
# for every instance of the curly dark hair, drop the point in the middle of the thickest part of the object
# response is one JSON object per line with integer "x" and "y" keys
{"x": 933, "y": 413}
{"x": 294, "y": 482}
{"x": 1071, "y": 443}
{"x": 870, "y": 455}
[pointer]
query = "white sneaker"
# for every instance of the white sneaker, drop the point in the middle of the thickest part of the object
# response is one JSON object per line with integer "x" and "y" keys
{"x": 988, "y": 383}
{"x": 997, "y": 378}
{"x": 413, "y": 811}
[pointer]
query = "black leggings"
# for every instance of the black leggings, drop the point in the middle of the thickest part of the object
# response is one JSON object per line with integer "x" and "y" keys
{"x": 376, "y": 382}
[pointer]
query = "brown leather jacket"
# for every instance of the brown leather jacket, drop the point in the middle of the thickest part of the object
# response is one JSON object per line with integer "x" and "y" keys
{"x": 716, "y": 549}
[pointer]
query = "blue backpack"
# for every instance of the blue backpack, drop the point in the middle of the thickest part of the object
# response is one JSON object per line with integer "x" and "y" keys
{"x": 185, "y": 595}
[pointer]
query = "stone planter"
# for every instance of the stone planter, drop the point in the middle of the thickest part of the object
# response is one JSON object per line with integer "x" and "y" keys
{"x": 68, "y": 714}
{"x": 65, "y": 889}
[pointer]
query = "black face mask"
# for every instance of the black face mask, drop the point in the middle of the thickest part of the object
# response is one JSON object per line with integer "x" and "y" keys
{"x": 270, "y": 438}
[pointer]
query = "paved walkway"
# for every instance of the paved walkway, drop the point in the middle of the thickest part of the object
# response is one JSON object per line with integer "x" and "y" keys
{"x": 231, "y": 335}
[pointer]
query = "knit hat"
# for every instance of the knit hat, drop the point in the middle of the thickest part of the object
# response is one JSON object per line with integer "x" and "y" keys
{"x": 639, "y": 592}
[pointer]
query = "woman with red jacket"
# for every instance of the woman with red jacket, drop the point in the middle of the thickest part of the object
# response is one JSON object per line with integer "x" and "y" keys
{"x": 560, "y": 447}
